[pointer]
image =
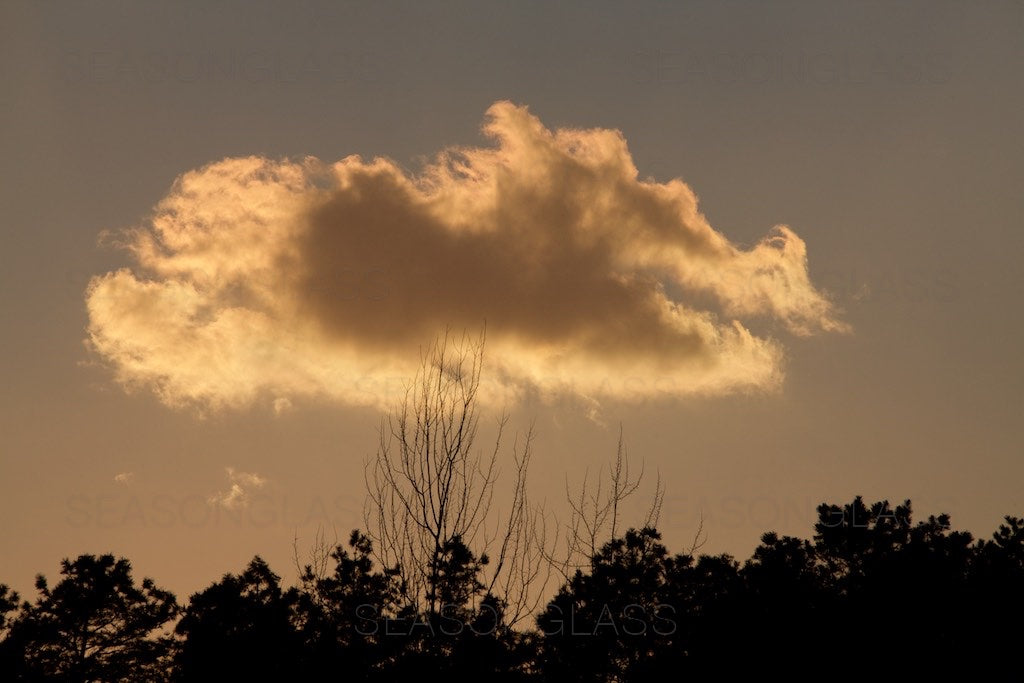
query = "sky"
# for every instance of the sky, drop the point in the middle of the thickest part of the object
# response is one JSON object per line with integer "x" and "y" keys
{"x": 777, "y": 244}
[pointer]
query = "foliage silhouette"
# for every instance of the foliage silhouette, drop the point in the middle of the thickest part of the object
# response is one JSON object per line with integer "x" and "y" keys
{"x": 870, "y": 588}
{"x": 9, "y": 601}
{"x": 602, "y": 624}
{"x": 996, "y": 591}
{"x": 240, "y": 628}
{"x": 337, "y": 614}
{"x": 462, "y": 633}
{"x": 95, "y": 624}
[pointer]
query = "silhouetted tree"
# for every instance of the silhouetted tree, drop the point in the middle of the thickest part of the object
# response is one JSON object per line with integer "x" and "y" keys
{"x": 430, "y": 490}
{"x": 94, "y": 625}
{"x": 707, "y": 594}
{"x": 466, "y": 637}
{"x": 997, "y": 594}
{"x": 9, "y": 601}
{"x": 872, "y": 586}
{"x": 340, "y": 615}
{"x": 595, "y": 515}
{"x": 871, "y": 589}
{"x": 891, "y": 578}
{"x": 614, "y": 622}
{"x": 852, "y": 539}
{"x": 785, "y": 604}
{"x": 240, "y": 628}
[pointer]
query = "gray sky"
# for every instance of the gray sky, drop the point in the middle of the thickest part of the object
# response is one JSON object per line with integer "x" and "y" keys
{"x": 887, "y": 136}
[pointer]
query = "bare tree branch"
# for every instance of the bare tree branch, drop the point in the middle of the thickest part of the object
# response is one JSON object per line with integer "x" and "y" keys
{"x": 595, "y": 513}
{"x": 429, "y": 485}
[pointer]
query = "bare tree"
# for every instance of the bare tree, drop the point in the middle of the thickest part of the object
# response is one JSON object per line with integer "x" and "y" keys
{"x": 595, "y": 514}
{"x": 318, "y": 558}
{"x": 430, "y": 487}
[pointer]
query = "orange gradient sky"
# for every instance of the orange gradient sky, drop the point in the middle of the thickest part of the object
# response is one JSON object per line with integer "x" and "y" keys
{"x": 777, "y": 243}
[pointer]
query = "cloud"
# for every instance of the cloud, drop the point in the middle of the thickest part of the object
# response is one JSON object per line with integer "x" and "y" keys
{"x": 281, "y": 278}
{"x": 124, "y": 477}
{"x": 240, "y": 491}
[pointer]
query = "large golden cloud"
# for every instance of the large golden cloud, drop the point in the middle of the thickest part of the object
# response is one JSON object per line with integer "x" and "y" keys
{"x": 276, "y": 279}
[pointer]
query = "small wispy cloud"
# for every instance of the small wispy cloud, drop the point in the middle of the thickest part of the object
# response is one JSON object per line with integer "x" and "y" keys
{"x": 282, "y": 405}
{"x": 238, "y": 495}
{"x": 124, "y": 478}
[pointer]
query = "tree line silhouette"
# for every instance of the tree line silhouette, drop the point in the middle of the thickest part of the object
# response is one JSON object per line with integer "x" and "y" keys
{"x": 438, "y": 587}
{"x": 871, "y": 587}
